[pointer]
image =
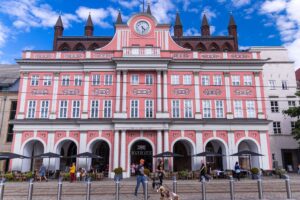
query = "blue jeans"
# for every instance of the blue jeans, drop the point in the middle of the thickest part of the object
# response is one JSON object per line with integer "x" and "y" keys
{"x": 139, "y": 180}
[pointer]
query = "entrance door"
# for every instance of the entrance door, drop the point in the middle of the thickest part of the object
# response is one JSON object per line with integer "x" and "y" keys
{"x": 101, "y": 148}
{"x": 287, "y": 157}
{"x": 142, "y": 150}
{"x": 182, "y": 163}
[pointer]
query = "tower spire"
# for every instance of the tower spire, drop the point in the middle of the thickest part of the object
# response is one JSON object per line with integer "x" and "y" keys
{"x": 89, "y": 26}
{"x": 119, "y": 18}
{"x": 232, "y": 31}
{"x": 205, "y": 29}
{"x": 58, "y": 31}
{"x": 178, "y": 28}
{"x": 149, "y": 9}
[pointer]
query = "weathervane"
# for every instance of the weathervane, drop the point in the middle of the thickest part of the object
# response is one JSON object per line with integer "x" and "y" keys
{"x": 143, "y": 2}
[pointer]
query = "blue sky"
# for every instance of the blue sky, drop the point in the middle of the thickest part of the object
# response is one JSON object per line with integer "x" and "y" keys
{"x": 28, "y": 24}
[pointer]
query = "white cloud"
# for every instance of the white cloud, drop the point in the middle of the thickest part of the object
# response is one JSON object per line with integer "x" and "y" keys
{"x": 273, "y": 6}
{"x": 163, "y": 10}
{"x": 209, "y": 13}
{"x": 192, "y": 32}
{"x": 3, "y": 34}
{"x": 240, "y": 3}
{"x": 31, "y": 13}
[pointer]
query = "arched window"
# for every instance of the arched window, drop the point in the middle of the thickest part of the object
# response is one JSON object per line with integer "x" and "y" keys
{"x": 79, "y": 47}
{"x": 64, "y": 47}
{"x": 188, "y": 46}
{"x": 214, "y": 47}
{"x": 227, "y": 47}
{"x": 93, "y": 46}
{"x": 201, "y": 47}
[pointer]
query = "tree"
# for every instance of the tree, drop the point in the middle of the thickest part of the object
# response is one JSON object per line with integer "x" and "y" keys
{"x": 295, "y": 113}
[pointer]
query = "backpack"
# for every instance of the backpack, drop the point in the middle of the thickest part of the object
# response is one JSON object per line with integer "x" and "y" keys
{"x": 137, "y": 170}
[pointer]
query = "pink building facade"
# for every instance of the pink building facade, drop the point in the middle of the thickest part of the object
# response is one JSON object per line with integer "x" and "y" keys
{"x": 138, "y": 96}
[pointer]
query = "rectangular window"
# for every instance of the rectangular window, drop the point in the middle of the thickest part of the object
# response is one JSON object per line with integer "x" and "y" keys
{"x": 65, "y": 80}
{"x": 31, "y": 109}
{"x": 217, "y": 80}
{"x": 292, "y": 104}
{"x": 187, "y": 80}
{"x": 188, "y": 108}
{"x": 76, "y": 109}
{"x": 35, "y": 80}
{"x": 276, "y": 127}
{"x": 250, "y": 106}
{"x": 63, "y": 109}
{"x": 13, "y": 109}
{"x": 235, "y": 80}
{"x": 272, "y": 84}
{"x": 293, "y": 125}
{"x": 284, "y": 85}
{"x": 96, "y": 79}
{"x": 149, "y": 107}
{"x": 134, "y": 79}
{"x": 238, "y": 109}
{"x": 175, "y": 79}
{"x": 134, "y": 109}
{"x": 44, "y": 109}
{"x": 149, "y": 79}
{"x": 47, "y": 80}
{"x": 219, "y": 109}
{"x": 248, "y": 80}
{"x": 94, "y": 109}
{"x": 77, "y": 80}
{"x": 108, "y": 79}
{"x": 274, "y": 107}
{"x": 206, "y": 104}
{"x": 107, "y": 108}
{"x": 175, "y": 108}
{"x": 205, "y": 80}
{"x": 10, "y": 133}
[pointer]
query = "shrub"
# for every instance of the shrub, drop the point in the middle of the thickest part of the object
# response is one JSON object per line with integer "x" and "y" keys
{"x": 66, "y": 176}
{"x": 118, "y": 170}
{"x": 280, "y": 171}
{"x": 9, "y": 176}
{"x": 183, "y": 174}
{"x": 29, "y": 175}
{"x": 254, "y": 170}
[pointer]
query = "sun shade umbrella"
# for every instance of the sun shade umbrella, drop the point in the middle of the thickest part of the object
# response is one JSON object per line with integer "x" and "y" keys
{"x": 9, "y": 155}
{"x": 167, "y": 154}
{"x": 86, "y": 155}
{"x": 48, "y": 155}
{"x": 247, "y": 153}
{"x": 208, "y": 154}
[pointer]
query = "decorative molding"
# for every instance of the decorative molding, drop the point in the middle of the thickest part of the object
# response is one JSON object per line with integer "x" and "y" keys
{"x": 243, "y": 92}
{"x": 142, "y": 91}
{"x": 101, "y": 92}
{"x": 212, "y": 92}
{"x": 181, "y": 91}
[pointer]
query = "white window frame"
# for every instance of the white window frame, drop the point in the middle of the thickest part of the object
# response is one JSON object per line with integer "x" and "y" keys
{"x": 175, "y": 108}
{"x": 96, "y": 78}
{"x": 175, "y": 79}
{"x": 47, "y": 80}
{"x": 63, "y": 109}
{"x": 272, "y": 84}
{"x": 235, "y": 80}
{"x": 188, "y": 108}
{"x": 219, "y": 105}
{"x": 134, "y": 108}
{"x": 135, "y": 79}
{"x": 284, "y": 84}
{"x": 291, "y": 104}
{"x": 250, "y": 108}
{"x": 31, "y": 109}
{"x": 77, "y": 80}
{"x": 187, "y": 79}
{"x": 206, "y": 105}
{"x": 248, "y": 81}
{"x": 238, "y": 109}
{"x": 44, "y": 109}
{"x": 65, "y": 80}
{"x": 76, "y": 108}
{"x": 205, "y": 80}
{"x": 35, "y": 80}
{"x": 274, "y": 106}
{"x": 107, "y": 108}
{"x": 217, "y": 80}
{"x": 149, "y": 108}
{"x": 108, "y": 79}
{"x": 277, "y": 127}
{"x": 149, "y": 79}
{"x": 95, "y": 108}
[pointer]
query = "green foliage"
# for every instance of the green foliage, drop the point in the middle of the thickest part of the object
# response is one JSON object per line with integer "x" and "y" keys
{"x": 146, "y": 171}
{"x": 118, "y": 170}
{"x": 280, "y": 171}
{"x": 66, "y": 176}
{"x": 254, "y": 170}
{"x": 9, "y": 176}
{"x": 183, "y": 174}
{"x": 29, "y": 175}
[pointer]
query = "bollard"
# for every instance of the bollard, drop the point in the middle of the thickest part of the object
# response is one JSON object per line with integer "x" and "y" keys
{"x": 30, "y": 189}
{"x": 59, "y": 189}
{"x": 203, "y": 188}
{"x": 2, "y": 189}
{"x": 231, "y": 184}
{"x": 174, "y": 185}
{"x": 260, "y": 190}
{"x": 117, "y": 189}
{"x": 146, "y": 190}
{"x": 88, "y": 189}
{"x": 288, "y": 187}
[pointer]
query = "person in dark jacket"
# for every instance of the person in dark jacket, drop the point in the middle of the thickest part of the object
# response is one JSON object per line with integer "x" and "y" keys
{"x": 237, "y": 170}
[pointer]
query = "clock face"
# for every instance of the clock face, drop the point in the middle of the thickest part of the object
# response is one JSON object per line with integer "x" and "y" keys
{"x": 142, "y": 27}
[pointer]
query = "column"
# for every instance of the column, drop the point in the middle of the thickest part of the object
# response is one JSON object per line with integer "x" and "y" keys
{"x": 265, "y": 162}
{"x": 124, "y": 97}
{"x": 22, "y": 101}
{"x": 159, "y": 91}
{"x": 258, "y": 96}
{"x": 16, "y": 148}
{"x": 83, "y": 148}
{"x": 231, "y": 150}
{"x": 86, "y": 96}
{"x": 159, "y": 141}
{"x": 165, "y": 95}
{"x": 229, "y": 113}
{"x": 123, "y": 150}
{"x": 199, "y": 149}
{"x": 116, "y": 149}
{"x": 166, "y": 140}
{"x": 54, "y": 96}
{"x": 118, "y": 92}
{"x": 197, "y": 96}
{"x": 50, "y": 148}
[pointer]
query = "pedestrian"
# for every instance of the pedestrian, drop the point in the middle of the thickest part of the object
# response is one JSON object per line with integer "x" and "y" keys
{"x": 133, "y": 169}
{"x": 298, "y": 168}
{"x": 203, "y": 172}
{"x": 78, "y": 175}
{"x": 42, "y": 173}
{"x": 237, "y": 170}
{"x": 140, "y": 176}
{"x": 160, "y": 171}
{"x": 72, "y": 172}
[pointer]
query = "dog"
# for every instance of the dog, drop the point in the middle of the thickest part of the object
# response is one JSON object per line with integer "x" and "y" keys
{"x": 166, "y": 194}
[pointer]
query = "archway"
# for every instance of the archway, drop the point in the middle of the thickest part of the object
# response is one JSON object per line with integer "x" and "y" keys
{"x": 31, "y": 149}
{"x": 142, "y": 149}
{"x": 188, "y": 46}
{"x": 244, "y": 160}
{"x": 101, "y": 148}
{"x": 219, "y": 163}
{"x": 184, "y": 148}
{"x": 67, "y": 149}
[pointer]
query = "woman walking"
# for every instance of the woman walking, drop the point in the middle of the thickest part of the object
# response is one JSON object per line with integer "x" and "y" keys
{"x": 237, "y": 170}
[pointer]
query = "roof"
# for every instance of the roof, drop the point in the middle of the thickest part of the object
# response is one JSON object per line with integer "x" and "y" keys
{"x": 9, "y": 74}
{"x": 59, "y": 22}
{"x": 204, "y": 21}
{"x": 89, "y": 22}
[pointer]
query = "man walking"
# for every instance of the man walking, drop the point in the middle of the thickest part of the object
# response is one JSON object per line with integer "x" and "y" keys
{"x": 140, "y": 176}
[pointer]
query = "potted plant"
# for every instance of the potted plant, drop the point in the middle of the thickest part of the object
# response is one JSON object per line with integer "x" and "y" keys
{"x": 9, "y": 176}
{"x": 255, "y": 173}
{"x": 118, "y": 173}
{"x": 66, "y": 176}
{"x": 280, "y": 172}
{"x": 29, "y": 175}
{"x": 183, "y": 174}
